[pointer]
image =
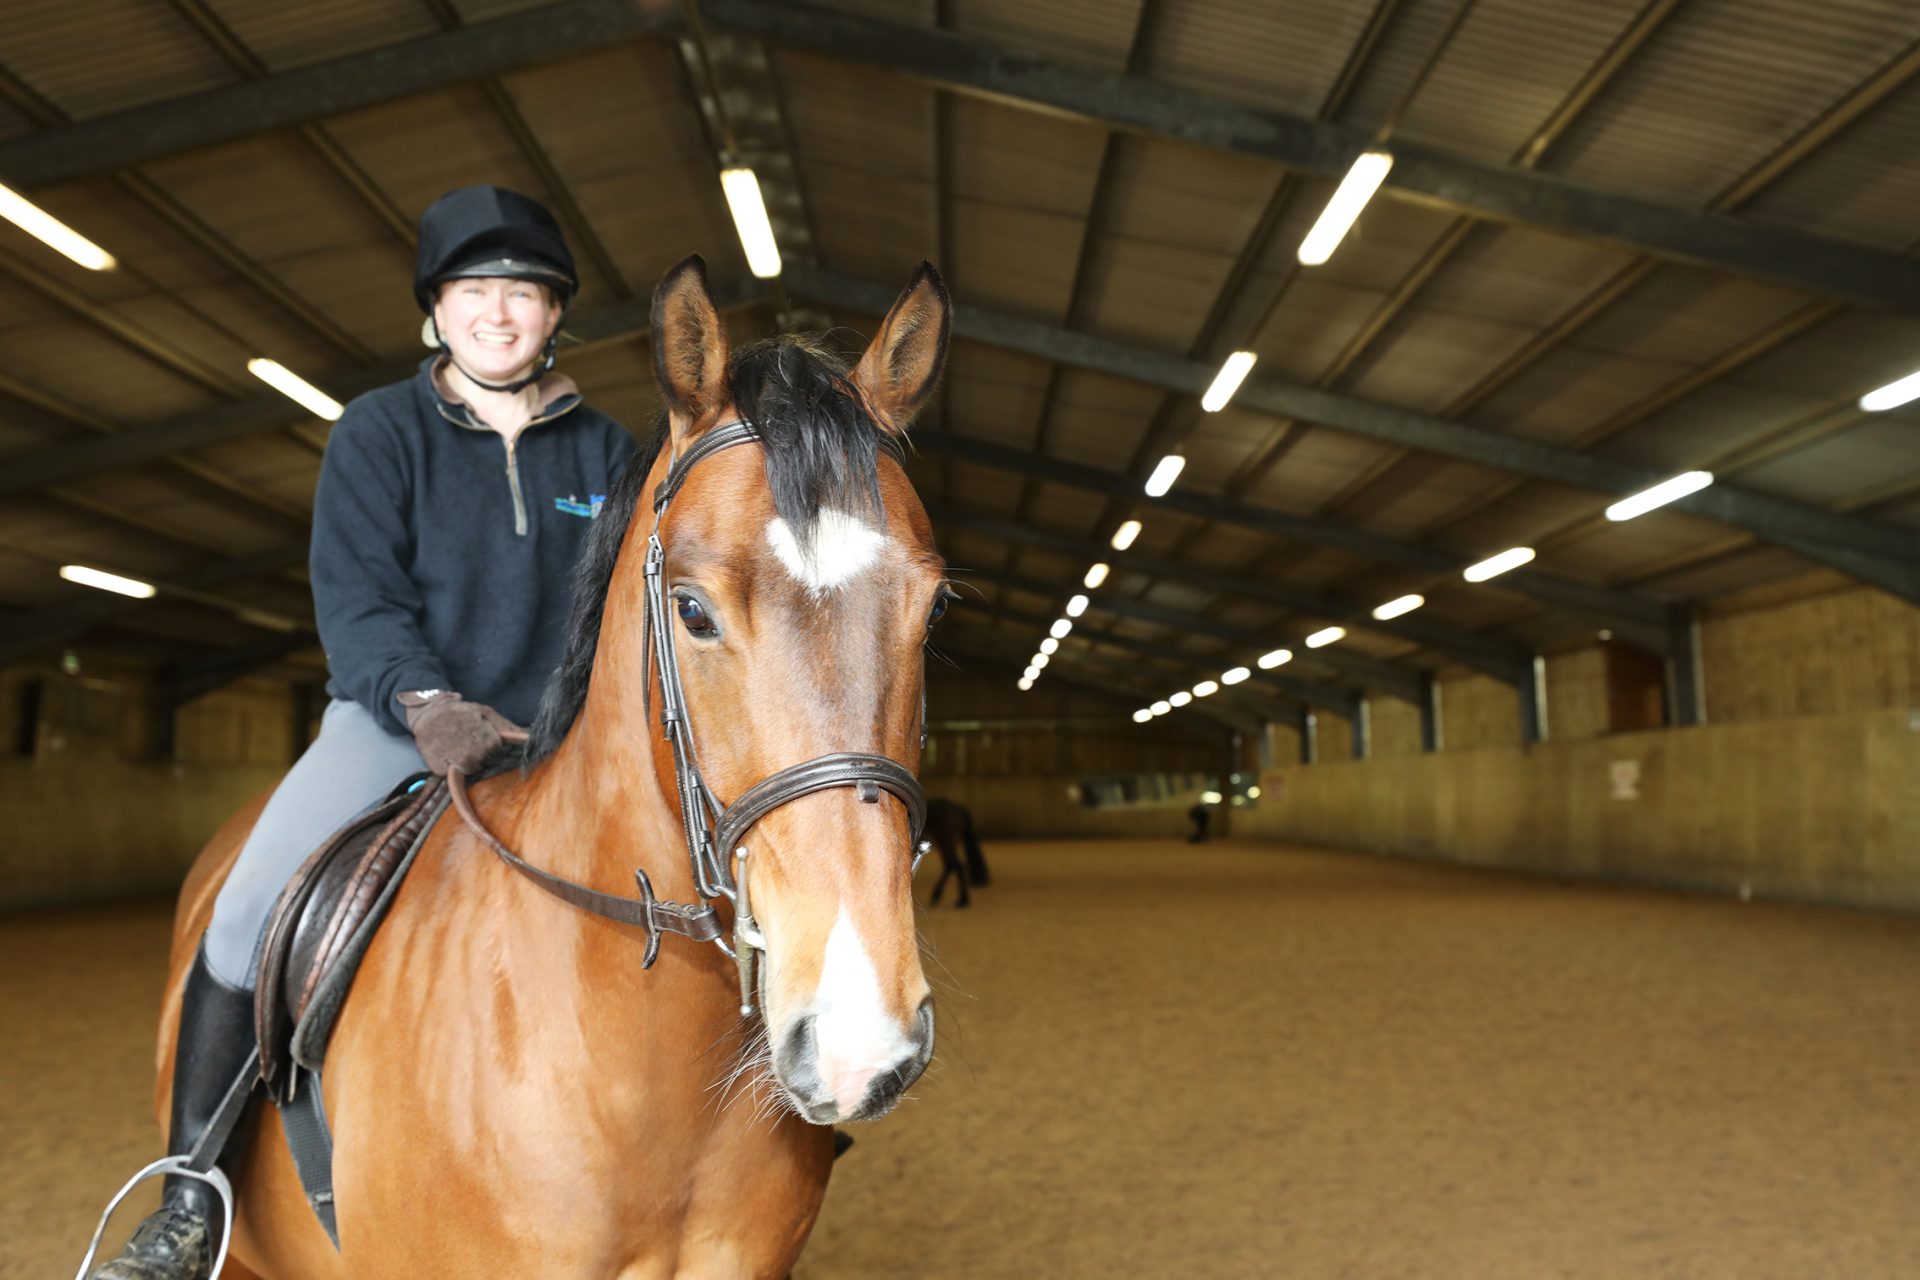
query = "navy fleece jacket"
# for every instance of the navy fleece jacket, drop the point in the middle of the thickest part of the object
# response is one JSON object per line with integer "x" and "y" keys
{"x": 442, "y": 557}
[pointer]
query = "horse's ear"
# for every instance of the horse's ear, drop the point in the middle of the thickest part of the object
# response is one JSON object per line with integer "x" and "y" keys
{"x": 903, "y": 364}
{"x": 689, "y": 347}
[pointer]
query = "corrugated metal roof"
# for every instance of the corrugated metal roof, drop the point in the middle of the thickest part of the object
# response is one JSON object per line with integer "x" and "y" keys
{"x": 64, "y": 52}
{"x": 1862, "y": 186}
{"x": 1722, "y": 84}
{"x": 1281, "y": 57}
{"x": 292, "y": 35}
{"x": 1718, "y": 87}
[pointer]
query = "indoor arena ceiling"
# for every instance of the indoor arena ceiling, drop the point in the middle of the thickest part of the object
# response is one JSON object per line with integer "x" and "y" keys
{"x": 1621, "y": 239}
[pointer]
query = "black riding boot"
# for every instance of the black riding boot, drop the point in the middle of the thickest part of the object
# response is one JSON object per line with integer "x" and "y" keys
{"x": 180, "y": 1239}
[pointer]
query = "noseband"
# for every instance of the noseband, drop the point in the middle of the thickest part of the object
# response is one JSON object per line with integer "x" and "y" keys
{"x": 715, "y": 833}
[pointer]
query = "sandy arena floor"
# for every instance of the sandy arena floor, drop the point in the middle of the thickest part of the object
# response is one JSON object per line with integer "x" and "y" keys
{"x": 1249, "y": 1061}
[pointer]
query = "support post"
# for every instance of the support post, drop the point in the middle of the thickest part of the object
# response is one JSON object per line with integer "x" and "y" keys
{"x": 309, "y": 699}
{"x": 1429, "y": 714}
{"x": 1686, "y": 695}
{"x": 1362, "y": 726}
{"x": 1309, "y": 736}
{"x": 1533, "y": 702}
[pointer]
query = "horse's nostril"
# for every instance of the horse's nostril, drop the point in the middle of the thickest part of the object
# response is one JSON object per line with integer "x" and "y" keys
{"x": 800, "y": 1047}
{"x": 924, "y": 1016}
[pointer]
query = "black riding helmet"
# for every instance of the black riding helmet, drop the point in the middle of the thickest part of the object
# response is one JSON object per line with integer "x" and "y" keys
{"x": 491, "y": 231}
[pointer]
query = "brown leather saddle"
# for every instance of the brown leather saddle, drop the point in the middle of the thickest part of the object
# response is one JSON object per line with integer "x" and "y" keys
{"x": 322, "y": 923}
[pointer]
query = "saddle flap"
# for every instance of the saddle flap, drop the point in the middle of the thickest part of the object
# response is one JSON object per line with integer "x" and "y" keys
{"x": 319, "y": 909}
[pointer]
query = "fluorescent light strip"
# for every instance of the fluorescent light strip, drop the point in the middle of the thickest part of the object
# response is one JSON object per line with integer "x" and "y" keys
{"x": 1274, "y": 658}
{"x": 1165, "y": 474}
{"x": 1893, "y": 395}
{"x": 1060, "y": 628}
{"x": 52, "y": 232}
{"x": 1205, "y": 688}
{"x": 1324, "y": 637}
{"x": 1394, "y": 608}
{"x": 1143, "y": 715}
{"x": 1179, "y": 699}
{"x": 1235, "y": 676}
{"x": 103, "y": 581}
{"x": 1095, "y": 576}
{"x": 1349, "y": 198}
{"x": 1049, "y": 645}
{"x": 1660, "y": 495}
{"x": 1076, "y": 606}
{"x": 1039, "y": 661}
{"x": 749, "y": 211}
{"x": 1123, "y": 536}
{"x": 1161, "y": 708}
{"x": 296, "y": 388}
{"x": 1233, "y": 372}
{"x": 1494, "y": 566}
{"x": 1026, "y": 683}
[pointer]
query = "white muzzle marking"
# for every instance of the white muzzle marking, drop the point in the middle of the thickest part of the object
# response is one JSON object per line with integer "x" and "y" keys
{"x": 839, "y": 550}
{"x": 854, "y": 1035}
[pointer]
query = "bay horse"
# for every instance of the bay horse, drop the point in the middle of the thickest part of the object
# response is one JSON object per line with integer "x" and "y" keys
{"x": 510, "y": 1093}
{"x": 950, "y": 831}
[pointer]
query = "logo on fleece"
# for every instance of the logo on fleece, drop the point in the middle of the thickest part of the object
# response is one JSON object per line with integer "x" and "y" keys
{"x": 574, "y": 507}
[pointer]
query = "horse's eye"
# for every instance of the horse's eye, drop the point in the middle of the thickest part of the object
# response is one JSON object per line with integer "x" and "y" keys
{"x": 939, "y": 609}
{"x": 694, "y": 615}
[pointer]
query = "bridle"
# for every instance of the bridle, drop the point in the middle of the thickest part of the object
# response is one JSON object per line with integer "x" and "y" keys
{"x": 715, "y": 833}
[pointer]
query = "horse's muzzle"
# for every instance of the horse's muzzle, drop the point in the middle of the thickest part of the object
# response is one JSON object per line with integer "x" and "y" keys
{"x": 827, "y": 1090}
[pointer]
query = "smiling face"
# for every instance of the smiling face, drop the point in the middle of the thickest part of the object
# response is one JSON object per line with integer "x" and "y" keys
{"x": 496, "y": 327}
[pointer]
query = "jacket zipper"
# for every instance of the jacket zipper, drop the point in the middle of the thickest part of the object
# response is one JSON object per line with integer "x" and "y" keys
{"x": 513, "y": 481}
{"x": 513, "y": 465}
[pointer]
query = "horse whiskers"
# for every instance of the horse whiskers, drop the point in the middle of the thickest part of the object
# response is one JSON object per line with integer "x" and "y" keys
{"x": 752, "y": 1065}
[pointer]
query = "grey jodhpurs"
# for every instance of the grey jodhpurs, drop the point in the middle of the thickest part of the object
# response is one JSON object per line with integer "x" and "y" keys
{"x": 350, "y": 767}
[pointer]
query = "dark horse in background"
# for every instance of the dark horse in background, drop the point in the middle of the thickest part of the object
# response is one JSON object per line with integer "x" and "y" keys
{"x": 950, "y": 827}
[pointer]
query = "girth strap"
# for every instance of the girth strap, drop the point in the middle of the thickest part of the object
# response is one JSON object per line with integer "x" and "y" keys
{"x": 872, "y": 774}
{"x": 648, "y": 912}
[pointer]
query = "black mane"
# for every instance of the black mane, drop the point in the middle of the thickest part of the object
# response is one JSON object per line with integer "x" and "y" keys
{"x": 820, "y": 445}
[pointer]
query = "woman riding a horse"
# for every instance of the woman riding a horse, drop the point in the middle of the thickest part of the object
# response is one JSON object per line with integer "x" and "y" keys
{"x": 511, "y": 1089}
{"x": 440, "y": 567}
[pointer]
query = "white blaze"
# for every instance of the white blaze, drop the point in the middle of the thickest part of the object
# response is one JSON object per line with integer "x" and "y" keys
{"x": 841, "y": 547}
{"x": 855, "y": 1035}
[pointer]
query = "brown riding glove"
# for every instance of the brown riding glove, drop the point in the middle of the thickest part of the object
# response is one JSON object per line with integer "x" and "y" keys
{"x": 452, "y": 732}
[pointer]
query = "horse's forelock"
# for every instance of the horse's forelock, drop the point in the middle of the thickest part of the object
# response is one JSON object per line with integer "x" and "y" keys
{"x": 821, "y": 444}
{"x": 821, "y": 448}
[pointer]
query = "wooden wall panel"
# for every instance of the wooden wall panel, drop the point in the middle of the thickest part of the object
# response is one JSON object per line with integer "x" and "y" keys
{"x": 249, "y": 723}
{"x": 1846, "y": 651}
{"x": 1396, "y": 727}
{"x": 1478, "y": 711}
{"x": 1813, "y": 808}
{"x": 1577, "y": 694}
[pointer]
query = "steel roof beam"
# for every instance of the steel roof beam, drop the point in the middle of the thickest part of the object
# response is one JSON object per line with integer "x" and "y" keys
{"x": 308, "y": 94}
{"x": 29, "y": 469}
{"x": 1112, "y": 677}
{"x": 1884, "y": 554}
{"x": 1312, "y": 693}
{"x": 1132, "y": 103}
{"x": 1634, "y": 616}
{"x": 1420, "y": 173}
{"x": 1389, "y": 678}
{"x": 1509, "y": 662}
{"x": 25, "y": 636}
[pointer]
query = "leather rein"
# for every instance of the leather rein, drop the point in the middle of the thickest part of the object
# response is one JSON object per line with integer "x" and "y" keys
{"x": 715, "y": 833}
